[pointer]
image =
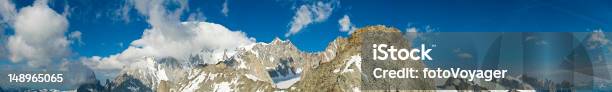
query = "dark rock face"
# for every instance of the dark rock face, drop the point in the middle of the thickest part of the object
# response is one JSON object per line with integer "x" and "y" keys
{"x": 130, "y": 84}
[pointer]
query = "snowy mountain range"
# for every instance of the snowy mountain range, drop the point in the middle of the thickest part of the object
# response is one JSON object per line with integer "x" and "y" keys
{"x": 259, "y": 67}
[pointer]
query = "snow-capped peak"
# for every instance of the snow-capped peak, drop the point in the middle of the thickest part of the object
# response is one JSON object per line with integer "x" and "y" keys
{"x": 277, "y": 41}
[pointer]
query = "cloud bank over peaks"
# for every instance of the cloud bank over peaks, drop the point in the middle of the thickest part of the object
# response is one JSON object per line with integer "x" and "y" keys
{"x": 170, "y": 37}
{"x": 213, "y": 39}
{"x": 310, "y": 13}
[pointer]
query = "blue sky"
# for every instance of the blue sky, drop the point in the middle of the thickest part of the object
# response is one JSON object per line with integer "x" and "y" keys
{"x": 104, "y": 33}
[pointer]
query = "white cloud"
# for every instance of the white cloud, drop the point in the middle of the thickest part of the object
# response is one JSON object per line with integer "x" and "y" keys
{"x": 196, "y": 16}
{"x": 346, "y": 25}
{"x": 76, "y": 36}
{"x": 67, "y": 10}
{"x": 536, "y": 40}
{"x": 7, "y": 11}
{"x": 411, "y": 29}
{"x": 225, "y": 9}
{"x": 463, "y": 55}
{"x": 123, "y": 13}
{"x": 106, "y": 63}
{"x": 411, "y": 33}
{"x": 39, "y": 42}
{"x": 36, "y": 41}
{"x": 308, "y": 14}
{"x": 3, "y": 51}
{"x": 300, "y": 20}
{"x": 162, "y": 19}
{"x": 322, "y": 10}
